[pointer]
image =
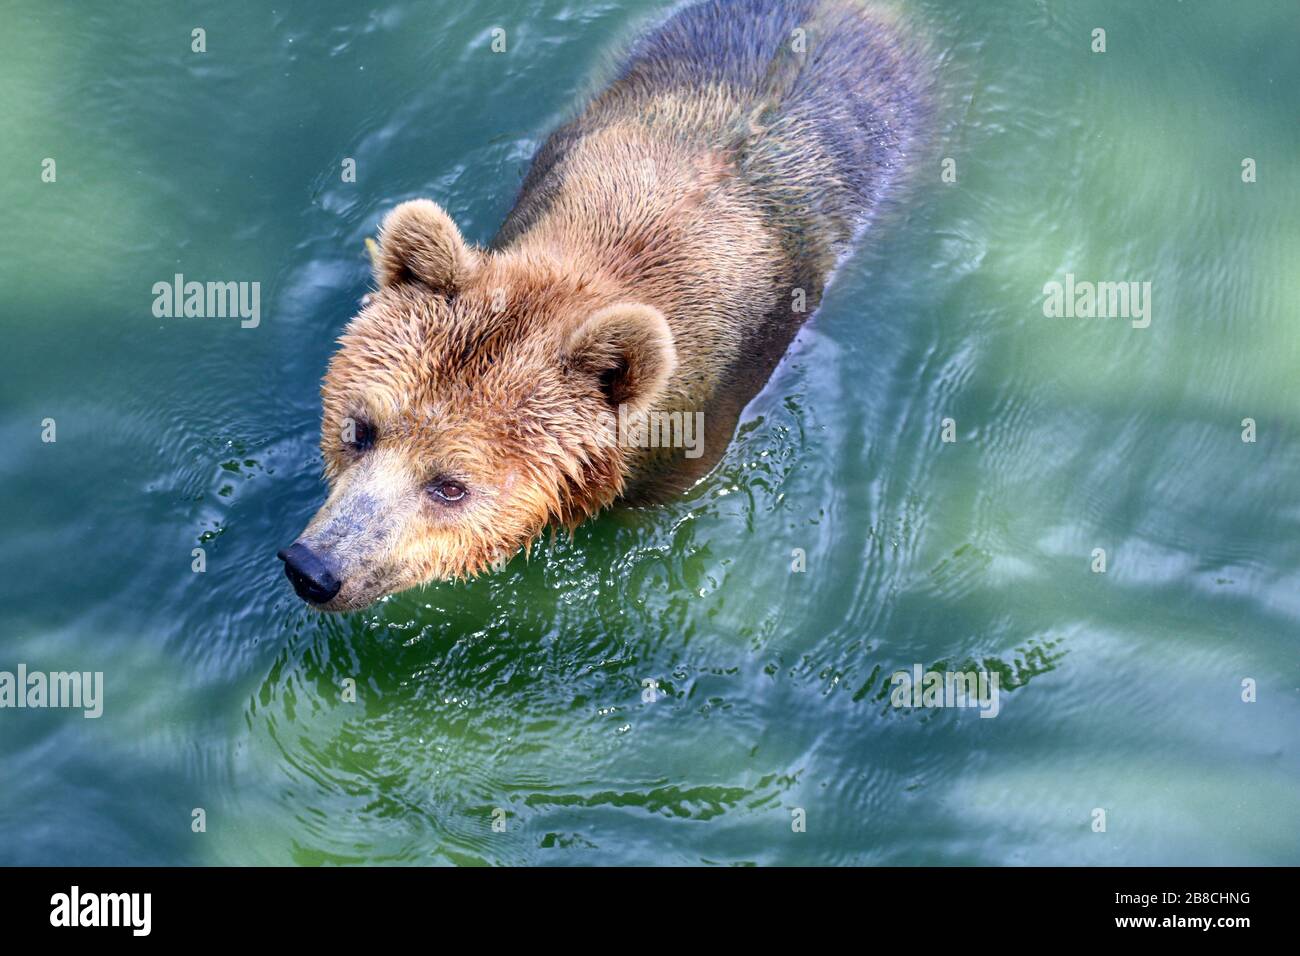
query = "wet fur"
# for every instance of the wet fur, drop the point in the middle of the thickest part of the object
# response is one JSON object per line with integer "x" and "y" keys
{"x": 651, "y": 258}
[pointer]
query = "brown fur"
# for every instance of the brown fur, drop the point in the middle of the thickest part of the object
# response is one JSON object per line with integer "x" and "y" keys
{"x": 648, "y": 263}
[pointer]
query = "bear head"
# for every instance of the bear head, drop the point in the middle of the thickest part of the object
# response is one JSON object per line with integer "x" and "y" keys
{"x": 469, "y": 406}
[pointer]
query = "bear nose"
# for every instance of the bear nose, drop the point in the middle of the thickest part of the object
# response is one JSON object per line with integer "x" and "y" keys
{"x": 309, "y": 573}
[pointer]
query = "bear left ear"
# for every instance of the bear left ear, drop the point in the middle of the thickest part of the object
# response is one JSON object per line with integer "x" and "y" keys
{"x": 628, "y": 349}
{"x": 418, "y": 241}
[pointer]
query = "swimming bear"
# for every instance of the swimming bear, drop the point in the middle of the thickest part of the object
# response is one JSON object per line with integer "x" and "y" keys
{"x": 666, "y": 246}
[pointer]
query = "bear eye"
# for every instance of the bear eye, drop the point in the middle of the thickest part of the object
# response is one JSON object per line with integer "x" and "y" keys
{"x": 363, "y": 435}
{"x": 444, "y": 489}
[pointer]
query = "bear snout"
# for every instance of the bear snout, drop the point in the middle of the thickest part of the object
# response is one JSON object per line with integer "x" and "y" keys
{"x": 313, "y": 576}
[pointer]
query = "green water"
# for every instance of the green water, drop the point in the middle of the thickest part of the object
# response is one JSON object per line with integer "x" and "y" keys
{"x": 523, "y": 692}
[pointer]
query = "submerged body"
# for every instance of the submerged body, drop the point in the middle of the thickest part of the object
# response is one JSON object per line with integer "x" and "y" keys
{"x": 666, "y": 246}
{"x": 719, "y": 179}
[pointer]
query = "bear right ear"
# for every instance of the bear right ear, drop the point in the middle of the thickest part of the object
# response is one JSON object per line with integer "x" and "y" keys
{"x": 419, "y": 242}
{"x": 627, "y": 350}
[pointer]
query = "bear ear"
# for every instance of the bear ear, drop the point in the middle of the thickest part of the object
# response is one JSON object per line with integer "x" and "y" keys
{"x": 419, "y": 242}
{"x": 628, "y": 349}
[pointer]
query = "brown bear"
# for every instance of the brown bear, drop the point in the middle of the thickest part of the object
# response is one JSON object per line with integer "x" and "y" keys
{"x": 666, "y": 246}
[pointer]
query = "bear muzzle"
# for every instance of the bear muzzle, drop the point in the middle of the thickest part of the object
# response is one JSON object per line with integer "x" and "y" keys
{"x": 312, "y": 575}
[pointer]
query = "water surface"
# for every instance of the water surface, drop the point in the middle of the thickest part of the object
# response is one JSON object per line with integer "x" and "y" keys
{"x": 521, "y": 694}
